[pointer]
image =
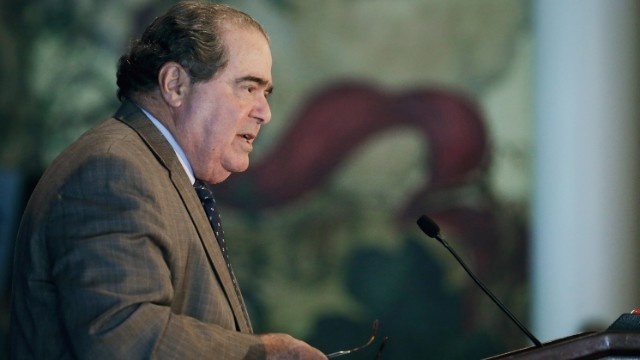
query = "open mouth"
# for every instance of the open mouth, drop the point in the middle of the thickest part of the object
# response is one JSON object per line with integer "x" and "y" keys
{"x": 248, "y": 137}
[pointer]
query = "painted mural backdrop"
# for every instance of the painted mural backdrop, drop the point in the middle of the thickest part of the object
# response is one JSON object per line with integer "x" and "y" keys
{"x": 383, "y": 111}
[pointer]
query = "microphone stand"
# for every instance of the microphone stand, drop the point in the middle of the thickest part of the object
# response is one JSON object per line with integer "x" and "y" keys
{"x": 430, "y": 228}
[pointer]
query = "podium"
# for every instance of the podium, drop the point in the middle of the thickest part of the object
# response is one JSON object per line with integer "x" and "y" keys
{"x": 620, "y": 341}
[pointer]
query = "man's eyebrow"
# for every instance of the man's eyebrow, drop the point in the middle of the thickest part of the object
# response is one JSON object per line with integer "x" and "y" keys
{"x": 257, "y": 80}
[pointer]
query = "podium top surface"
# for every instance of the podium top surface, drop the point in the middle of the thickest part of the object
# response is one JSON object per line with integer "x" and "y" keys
{"x": 597, "y": 345}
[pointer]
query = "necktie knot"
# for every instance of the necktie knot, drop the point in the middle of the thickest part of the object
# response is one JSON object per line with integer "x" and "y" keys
{"x": 204, "y": 193}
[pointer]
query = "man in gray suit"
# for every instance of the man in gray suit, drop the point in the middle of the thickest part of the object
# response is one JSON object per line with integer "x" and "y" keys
{"x": 116, "y": 257}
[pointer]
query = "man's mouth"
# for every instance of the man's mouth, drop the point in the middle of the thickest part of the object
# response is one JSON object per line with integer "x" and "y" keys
{"x": 248, "y": 137}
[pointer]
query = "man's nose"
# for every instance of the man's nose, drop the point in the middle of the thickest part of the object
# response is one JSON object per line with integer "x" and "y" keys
{"x": 262, "y": 110}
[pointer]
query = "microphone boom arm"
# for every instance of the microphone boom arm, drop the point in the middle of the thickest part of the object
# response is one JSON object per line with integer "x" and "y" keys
{"x": 431, "y": 229}
{"x": 488, "y": 292}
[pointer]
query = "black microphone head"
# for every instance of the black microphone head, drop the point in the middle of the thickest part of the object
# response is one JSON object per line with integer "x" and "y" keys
{"x": 429, "y": 226}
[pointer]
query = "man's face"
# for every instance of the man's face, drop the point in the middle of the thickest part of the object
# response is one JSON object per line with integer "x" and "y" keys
{"x": 220, "y": 118}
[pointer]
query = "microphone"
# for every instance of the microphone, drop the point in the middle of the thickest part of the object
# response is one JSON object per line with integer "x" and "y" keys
{"x": 432, "y": 230}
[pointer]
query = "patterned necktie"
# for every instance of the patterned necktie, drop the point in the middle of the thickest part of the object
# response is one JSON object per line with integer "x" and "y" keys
{"x": 210, "y": 208}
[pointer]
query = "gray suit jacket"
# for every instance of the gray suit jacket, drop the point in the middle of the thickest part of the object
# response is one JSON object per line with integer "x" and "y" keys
{"x": 116, "y": 259}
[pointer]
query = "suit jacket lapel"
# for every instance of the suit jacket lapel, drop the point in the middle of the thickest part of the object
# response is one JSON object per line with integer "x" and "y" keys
{"x": 130, "y": 114}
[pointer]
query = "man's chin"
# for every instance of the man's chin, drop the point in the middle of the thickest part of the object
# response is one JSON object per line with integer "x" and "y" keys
{"x": 239, "y": 168}
{"x": 216, "y": 177}
{"x": 236, "y": 168}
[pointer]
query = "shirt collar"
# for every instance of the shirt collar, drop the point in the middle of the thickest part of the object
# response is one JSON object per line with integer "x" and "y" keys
{"x": 174, "y": 144}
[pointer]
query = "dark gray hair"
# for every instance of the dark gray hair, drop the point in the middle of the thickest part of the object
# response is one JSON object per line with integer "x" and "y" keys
{"x": 190, "y": 34}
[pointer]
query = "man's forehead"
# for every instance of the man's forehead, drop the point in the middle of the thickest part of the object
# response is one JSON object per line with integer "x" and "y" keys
{"x": 248, "y": 55}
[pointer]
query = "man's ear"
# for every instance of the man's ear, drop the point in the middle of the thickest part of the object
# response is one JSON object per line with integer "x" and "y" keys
{"x": 174, "y": 83}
